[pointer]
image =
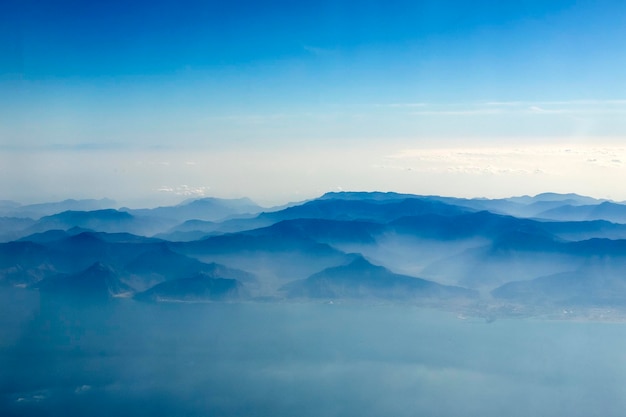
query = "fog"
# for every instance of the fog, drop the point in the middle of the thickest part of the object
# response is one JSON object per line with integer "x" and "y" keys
{"x": 309, "y": 359}
{"x": 413, "y": 255}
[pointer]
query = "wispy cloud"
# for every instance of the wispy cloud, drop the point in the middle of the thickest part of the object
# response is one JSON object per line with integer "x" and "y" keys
{"x": 461, "y": 112}
{"x": 481, "y": 108}
{"x": 402, "y": 105}
{"x": 551, "y": 160}
{"x": 577, "y": 107}
{"x": 593, "y": 102}
{"x": 185, "y": 190}
{"x": 543, "y": 110}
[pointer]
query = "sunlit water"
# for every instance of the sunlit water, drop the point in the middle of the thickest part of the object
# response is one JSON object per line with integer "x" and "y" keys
{"x": 255, "y": 359}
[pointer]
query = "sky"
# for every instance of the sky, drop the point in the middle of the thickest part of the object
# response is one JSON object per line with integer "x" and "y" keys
{"x": 152, "y": 102}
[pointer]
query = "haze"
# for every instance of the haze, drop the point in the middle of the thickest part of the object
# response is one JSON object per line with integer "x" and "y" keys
{"x": 383, "y": 264}
{"x": 310, "y": 360}
{"x": 151, "y": 102}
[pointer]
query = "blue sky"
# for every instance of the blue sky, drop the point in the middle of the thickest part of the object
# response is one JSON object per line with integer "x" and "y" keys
{"x": 285, "y": 100}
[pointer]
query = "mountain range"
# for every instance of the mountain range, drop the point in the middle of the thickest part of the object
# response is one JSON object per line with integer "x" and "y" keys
{"x": 547, "y": 250}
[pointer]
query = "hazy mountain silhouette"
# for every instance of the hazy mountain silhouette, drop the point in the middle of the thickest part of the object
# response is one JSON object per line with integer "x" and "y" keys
{"x": 51, "y": 235}
{"x": 462, "y": 226}
{"x": 275, "y": 257}
{"x": 211, "y": 209}
{"x": 323, "y": 230}
{"x": 98, "y": 282}
{"x": 361, "y": 279}
{"x": 250, "y": 242}
{"x": 510, "y": 256}
{"x": 11, "y": 228}
{"x": 12, "y": 253}
{"x": 318, "y": 248}
{"x": 567, "y": 198}
{"x": 109, "y": 221}
{"x": 365, "y": 195}
{"x": 161, "y": 263}
{"x": 70, "y": 253}
{"x": 189, "y": 230}
{"x": 613, "y": 212}
{"x": 199, "y": 287}
{"x": 583, "y": 230}
{"x": 37, "y": 211}
{"x": 524, "y": 206}
{"x": 364, "y": 209}
{"x": 600, "y": 281}
{"x": 24, "y": 263}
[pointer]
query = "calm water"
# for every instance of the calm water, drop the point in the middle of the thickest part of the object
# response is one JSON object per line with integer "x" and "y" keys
{"x": 300, "y": 360}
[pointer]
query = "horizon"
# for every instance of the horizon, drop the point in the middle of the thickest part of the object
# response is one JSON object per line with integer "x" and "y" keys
{"x": 478, "y": 297}
{"x": 118, "y": 205}
{"x": 454, "y": 173}
{"x": 149, "y": 102}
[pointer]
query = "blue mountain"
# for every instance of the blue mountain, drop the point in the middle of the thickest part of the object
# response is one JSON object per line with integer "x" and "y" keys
{"x": 98, "y": 282}
{"x": 36, "y": 211}
{"x": 210, "y": 209}
{"x": 161, "y": 264}
{"x": 361, "y": 279}
{"x": 600, "y": 281}
{"x": 363, "y": 209}
{"x": 197, "y": 288}
{"x": 609, "y": 211}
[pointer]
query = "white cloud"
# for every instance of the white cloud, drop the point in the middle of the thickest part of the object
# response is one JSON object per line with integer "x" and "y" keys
{"x": 574, "y": 107}
{"x": 551, "y": 160}
{"x": 462, "y": 112}
{"x": 593, "y": 102}
{"x": 185, "y": 190}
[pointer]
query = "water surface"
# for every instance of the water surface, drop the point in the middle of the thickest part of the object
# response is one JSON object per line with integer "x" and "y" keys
{"x": 287, "y": 359}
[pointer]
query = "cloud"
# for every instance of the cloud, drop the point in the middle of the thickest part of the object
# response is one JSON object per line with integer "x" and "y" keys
{"x": 515, "y": 161}
{"x": 403, "y": 105}
{"x": 578, "y": 107}
{"x": 185, "y": 190}
{"x": 463, "y": 112}
{"x": 574, "y": 107}
{"x": 592, "y": 102}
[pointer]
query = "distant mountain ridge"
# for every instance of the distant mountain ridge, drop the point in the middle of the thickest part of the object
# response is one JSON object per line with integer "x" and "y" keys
{"x": 608, "y": 211}
{"x": 598, "y": 281}
{"x": 36, "y": 211}
{"x": 197, "y": 288}
{"x": 98, "y": 282}
{"x": 208, "y": 209}
{"x": 361, "y": 279}
{"x": 550, "y": 249}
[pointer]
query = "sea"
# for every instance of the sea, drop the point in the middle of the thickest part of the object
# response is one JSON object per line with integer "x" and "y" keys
{"x": 128, "y": 358}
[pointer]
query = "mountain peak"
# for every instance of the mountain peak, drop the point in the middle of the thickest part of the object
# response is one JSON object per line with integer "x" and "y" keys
{"x": 98, "y": 281}
{"x": 199, "y": 287}
{"x": 365, "y": 195}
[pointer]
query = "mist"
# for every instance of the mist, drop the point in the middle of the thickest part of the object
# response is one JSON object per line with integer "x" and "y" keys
{"x": 312, "y": 208}
{"x": 353, "y": 303}
{"x": 308, "y": 359}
